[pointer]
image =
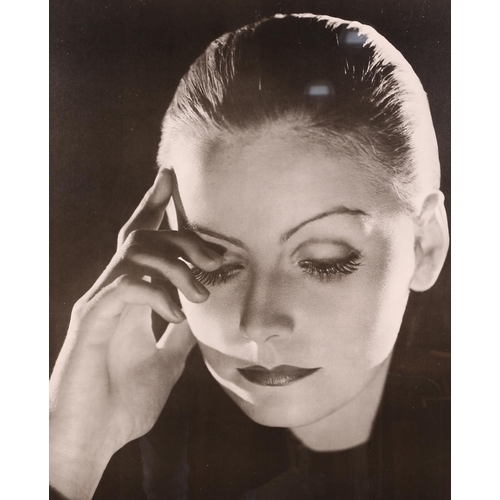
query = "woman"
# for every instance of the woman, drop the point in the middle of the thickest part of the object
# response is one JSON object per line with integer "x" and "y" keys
{"x": 300, "y": 175}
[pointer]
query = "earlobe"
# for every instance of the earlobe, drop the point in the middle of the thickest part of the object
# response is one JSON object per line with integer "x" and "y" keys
{"x": 431, "y": 242}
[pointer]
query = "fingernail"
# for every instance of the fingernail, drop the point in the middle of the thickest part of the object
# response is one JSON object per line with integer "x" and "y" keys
{"x": 200, "y": 288}
{"x": 178, "y": 313}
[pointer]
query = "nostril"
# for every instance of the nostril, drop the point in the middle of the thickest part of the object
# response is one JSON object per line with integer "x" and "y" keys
{"x": 263, "y": 328}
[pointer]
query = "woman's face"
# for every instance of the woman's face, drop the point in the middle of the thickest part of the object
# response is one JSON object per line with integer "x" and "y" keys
{"x": 317, "y": 265}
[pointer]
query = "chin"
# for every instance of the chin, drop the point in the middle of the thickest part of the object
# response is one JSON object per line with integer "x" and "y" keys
{"x": 277, "y": 410}
{"x": 276, "y": 419}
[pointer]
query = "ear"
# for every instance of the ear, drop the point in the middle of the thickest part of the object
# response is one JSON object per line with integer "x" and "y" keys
{"x": 431, "y": 242}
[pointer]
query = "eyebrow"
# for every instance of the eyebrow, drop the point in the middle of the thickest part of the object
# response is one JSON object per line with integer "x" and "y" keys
{"x": 208, "y": 232}
{"x": 340, "y": 210}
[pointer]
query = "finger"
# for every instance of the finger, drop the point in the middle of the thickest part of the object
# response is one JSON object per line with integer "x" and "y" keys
{"x": 193, "y": 249}
{"x": 185, "y": 244}
{"x": 111, "y": 301}
{"x": 151, "y": 209}
{"x": 167, "y": 269}
{"x": 155, "y": 253}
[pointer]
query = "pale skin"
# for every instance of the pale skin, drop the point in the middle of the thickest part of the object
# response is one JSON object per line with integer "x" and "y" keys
{"x": 319, "y": 259}
{"x": 112, "y": 379}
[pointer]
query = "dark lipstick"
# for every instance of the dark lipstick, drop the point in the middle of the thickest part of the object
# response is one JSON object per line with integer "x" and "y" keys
{"x": 275, "y": 377}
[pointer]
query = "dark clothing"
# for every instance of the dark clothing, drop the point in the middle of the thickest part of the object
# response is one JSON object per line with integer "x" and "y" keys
{"x": 203, "y": 447}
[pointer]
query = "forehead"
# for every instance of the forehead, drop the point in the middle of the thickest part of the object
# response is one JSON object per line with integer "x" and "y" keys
{"x": 272, "y": 176}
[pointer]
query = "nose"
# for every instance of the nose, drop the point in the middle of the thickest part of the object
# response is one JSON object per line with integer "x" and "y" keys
{"x": 264, "y": 311}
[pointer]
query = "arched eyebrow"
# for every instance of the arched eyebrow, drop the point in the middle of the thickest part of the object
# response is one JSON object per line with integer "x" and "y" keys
{"x": 214, "y": 234}
{"x": 340, "y": 210}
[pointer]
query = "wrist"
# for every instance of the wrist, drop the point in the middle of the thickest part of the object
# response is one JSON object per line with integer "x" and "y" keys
{"x": 75, "y": 471}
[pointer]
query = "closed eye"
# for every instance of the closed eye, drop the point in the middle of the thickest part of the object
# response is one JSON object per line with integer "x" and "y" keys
{"x": 218, "y": 277}
{"x": 325, "y": 270}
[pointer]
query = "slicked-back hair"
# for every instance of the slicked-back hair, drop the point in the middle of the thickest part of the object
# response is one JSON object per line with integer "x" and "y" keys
{"x": 334, "y": 81}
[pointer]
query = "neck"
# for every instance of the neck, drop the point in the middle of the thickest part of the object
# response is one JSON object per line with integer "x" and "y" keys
{"x": 350, "y": 425}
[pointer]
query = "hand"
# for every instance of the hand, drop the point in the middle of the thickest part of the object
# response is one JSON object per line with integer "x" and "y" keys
{"x": 112, "y": 378}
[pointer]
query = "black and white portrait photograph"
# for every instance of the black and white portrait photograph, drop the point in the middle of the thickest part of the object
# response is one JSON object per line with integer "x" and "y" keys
{"x": 250, "y": 212}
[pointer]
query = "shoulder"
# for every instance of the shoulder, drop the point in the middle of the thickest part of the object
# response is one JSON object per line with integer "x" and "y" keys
{"x": 414, "y": 422}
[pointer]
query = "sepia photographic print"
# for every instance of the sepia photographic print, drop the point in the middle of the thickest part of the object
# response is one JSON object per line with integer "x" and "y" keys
{"x": 250, "y": 263}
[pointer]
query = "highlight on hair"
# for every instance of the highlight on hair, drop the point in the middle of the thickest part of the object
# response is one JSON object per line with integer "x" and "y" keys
{"x": 338, "y": 82}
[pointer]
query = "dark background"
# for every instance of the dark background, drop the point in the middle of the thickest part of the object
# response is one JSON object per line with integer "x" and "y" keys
{"x": 114, "y": 68}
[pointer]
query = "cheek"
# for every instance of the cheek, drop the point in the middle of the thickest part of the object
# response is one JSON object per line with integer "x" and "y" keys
{"x": 381, "y": 307}
{"x": 353, "y": 327}
{"x": 215, "y": 323}
{"x": 355, "y": 323}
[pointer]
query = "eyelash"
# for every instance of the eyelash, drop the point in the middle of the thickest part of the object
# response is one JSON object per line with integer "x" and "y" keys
{"x": 322, "y": 270}
{"x": 327, "y": 270}
{"x": 218, "y": 277}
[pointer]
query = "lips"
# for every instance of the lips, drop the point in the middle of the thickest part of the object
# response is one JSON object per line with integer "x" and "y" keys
{"x": 276, "y": 377}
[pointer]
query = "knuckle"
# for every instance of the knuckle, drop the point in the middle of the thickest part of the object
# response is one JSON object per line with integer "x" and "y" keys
{"x": 129, "y": 250}
{"x": 77, "y": 310}
{"x": 135, "y": 236}
{"x": 124, "y": 281}
{"x": 80, "y": 309}
{"x": 133, "y": 243}
{"x": 122, "y": 234}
